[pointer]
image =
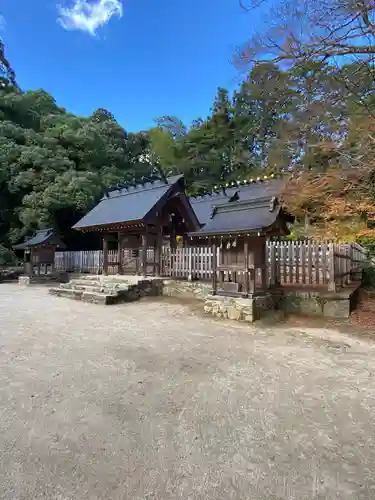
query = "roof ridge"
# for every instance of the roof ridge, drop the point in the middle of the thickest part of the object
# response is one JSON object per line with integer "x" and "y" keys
{"x": 154, "y": 184}
{"x": 265, "y": 181}
{"x": 253, "y": 203}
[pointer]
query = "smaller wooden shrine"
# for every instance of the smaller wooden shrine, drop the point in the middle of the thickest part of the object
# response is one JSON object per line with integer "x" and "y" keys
{"x": 39, "y": 252}
{"x": 240, "y": 227}
{"x": 139, "y": 216}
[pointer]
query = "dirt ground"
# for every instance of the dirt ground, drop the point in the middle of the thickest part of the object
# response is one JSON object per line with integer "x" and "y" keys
{"x": 151, "y": 401}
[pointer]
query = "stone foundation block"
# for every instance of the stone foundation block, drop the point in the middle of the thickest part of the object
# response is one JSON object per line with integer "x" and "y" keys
{"x": 337, "y": 308}
{"x": 186, "y": 289}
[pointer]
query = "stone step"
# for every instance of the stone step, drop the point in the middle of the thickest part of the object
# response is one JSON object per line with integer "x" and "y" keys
{"x": 94, "y": 297}
{"x": 101, "y": 283}
{"x": 81, "y": 285}
{"x": 66, "y": 292}
{"x": 114, "y": 279}
{"x": 101, "y": 278}
{"x": 91, "y": 288}
{"x": 88, "y": 277}
{"x": 100, "y": 298}
{"x": 81, "y": 282}
{"x": 105, "y": 292}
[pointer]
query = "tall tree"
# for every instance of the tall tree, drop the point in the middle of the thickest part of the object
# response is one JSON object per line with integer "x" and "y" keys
{"x": 313, "y": 30}
{"x": 7, "y": 75}
{"x": 102, "y": 115}
{"x": 54, "y": 165}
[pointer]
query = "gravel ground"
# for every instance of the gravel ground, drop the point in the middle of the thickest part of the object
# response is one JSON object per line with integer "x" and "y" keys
{"x": 151, "y": 401}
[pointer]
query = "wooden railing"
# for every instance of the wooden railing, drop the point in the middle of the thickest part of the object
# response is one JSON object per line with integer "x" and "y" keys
{"x": 314, "y": 264}
{"x": 191, "y": 263}
{"x": 306, "y": 264}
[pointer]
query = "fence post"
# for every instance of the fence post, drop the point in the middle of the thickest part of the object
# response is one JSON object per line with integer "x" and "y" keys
{"x": 348, "y": 262}
{"x": 271, "y": 257}
{"x": 190, "y": 264}
{"x": 331, "y": 268}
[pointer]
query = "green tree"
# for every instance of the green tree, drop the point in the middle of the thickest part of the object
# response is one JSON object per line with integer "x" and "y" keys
{"x": 54, "y": 166}
{"x": 7, "y": 75}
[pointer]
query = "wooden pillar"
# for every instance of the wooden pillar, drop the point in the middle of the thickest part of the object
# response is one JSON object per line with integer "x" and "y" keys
{"x": 154, "y": 272}
{"x": 331, "y": 268}
{"x": 173, "y": 242}
{"x": 53, "y": 265}
{"x": 251, "y": 267}
{"x": 119, "y": 252}
{"x": 263, "y": 261}
{"x": 138, "y": 257}
{"x": 246, "y": 255}
{"x": 28, "y": 262}
{"x": 105, "y": 255}
{"x": 38, "y": 262}
{"x": 144, "y": 252}
{"x": 158, "y": 250}
{"x": 214, "y": 266}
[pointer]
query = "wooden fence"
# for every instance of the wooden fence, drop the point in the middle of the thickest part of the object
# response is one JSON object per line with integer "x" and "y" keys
{"x": 314, "y": 264}
{"x": 191, "y": 263}
{"x": 289, "y": 263}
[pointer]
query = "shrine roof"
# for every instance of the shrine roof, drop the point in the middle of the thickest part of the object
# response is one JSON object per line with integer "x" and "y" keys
{"x": 249, "y": 208}
{"x": 128, "y": 203}
{"x": 203, "y": 205}
{"x": 41, "y": 237}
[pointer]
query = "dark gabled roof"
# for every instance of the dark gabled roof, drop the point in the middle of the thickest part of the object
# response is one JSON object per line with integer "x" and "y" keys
{"x": 39, "y": 238}
{"x": 128, "y": 204}
{"x": 240, "y": 217}
{"x": 254, "y": 208}
{"x": 203, "y": 205}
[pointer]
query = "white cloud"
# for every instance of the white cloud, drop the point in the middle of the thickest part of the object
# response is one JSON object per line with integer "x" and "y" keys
{"x": 88, "y": 15}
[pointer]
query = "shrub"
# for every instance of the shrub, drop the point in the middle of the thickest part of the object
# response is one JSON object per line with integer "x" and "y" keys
{"x": 368, "y": 277}
{"x": 368, "y": 243}
{"x": 7, "y": 257}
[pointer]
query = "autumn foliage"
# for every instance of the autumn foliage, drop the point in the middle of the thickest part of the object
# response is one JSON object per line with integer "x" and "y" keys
{"x": 338, "y": 202}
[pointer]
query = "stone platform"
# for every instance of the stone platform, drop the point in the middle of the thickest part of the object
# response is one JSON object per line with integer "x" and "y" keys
{"x": 108, "y": 290}
{"x": 320, "y": 303}
{"x": 286, "y": 300}
{"x": 126, "y": 288}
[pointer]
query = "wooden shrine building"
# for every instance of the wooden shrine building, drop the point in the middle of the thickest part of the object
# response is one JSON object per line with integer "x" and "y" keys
{"x": 39, "y": 252}
{"x": 239, "y": 220}
{"x": 140, "y": 216}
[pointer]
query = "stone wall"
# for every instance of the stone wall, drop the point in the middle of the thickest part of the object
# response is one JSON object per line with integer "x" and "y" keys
{"x": 315, "y": 303}
{"x": 239, "y": 309}
{"x": 187, "y": 289}
{"x": 305, "y": 302}
{"x": 10, "y": 273}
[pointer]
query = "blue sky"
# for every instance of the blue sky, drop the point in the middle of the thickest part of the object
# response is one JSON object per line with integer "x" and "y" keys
{"x": 138, "y": 58}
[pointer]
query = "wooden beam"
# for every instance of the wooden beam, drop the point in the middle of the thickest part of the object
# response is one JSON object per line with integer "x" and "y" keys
{"x": 105, "y": 255}
{"x": 234, "y": 267}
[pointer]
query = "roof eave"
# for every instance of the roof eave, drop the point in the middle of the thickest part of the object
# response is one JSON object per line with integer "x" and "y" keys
{"x": 205, "y": 234}
{"x": 108, "y": 227}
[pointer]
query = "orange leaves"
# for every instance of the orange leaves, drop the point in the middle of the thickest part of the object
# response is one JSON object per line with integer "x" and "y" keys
{"x": 336, "y": 201}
